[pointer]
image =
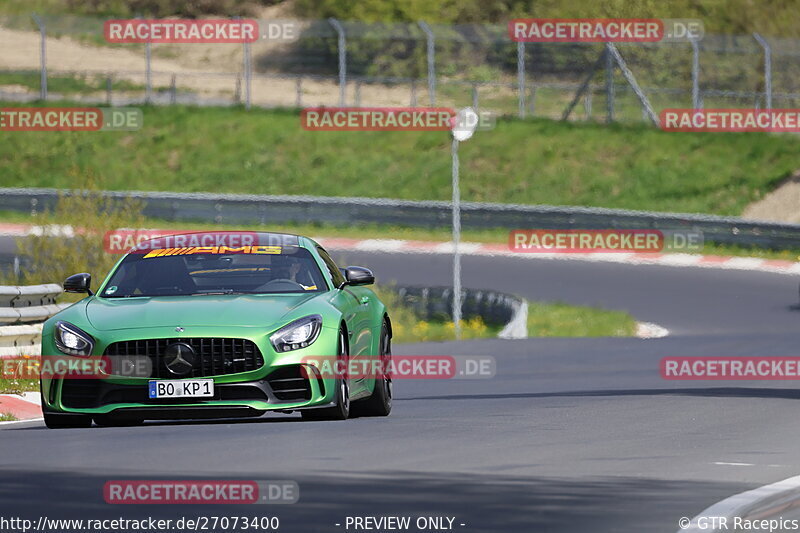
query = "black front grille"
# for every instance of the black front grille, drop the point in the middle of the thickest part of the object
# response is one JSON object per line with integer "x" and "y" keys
{"x": 80, "y": 393}
{"x": 215, "y": 356}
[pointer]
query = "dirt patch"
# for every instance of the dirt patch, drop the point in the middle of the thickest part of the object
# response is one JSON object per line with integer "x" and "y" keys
{"x": 207, "y": 70}
{"x": 780, "y": 205}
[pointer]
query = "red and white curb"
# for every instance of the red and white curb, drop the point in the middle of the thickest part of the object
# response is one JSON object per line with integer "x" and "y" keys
{"x": 24, "y": 407}
{"x": 777, "y": 266}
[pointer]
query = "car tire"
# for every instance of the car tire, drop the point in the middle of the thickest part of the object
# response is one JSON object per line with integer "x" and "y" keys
{"x": 117, "y": 421}
{"x": 63, "y": 421}
{"x": 380, "y": 402}
{"x": 340, "y": 411}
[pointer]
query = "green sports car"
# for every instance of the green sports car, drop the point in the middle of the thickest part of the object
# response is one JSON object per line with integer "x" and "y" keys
{"x": 228, "y": 326}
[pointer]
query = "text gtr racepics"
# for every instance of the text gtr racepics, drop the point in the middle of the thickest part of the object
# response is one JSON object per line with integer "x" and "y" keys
{"x": 178, "y": 331}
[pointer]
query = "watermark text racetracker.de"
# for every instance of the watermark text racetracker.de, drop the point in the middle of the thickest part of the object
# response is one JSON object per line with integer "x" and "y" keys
{"x": 141, "y": 492}
{"x": 596, "y": 30}
{"x": 604, "y": 241}
{"x": 401, "y": 367}
{"x": 70, "y": 119}
{"x": 215, "y": 31}
{"x": 730, "y": 368}
{"x": 391, "y": 119}
{"x": 731, "y": 120}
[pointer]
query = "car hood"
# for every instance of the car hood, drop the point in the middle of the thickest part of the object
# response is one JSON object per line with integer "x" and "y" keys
{"x": 218, "y": 310}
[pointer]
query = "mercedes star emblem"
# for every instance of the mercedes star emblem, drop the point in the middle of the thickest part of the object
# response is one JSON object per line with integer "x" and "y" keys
{"x": 179, "y": 358}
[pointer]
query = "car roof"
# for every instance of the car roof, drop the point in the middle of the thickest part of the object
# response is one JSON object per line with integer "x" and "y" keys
{"x": 223, "y": 237}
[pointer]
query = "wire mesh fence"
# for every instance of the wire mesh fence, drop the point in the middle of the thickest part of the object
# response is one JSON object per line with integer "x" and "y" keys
{"x": 329, "y": 63}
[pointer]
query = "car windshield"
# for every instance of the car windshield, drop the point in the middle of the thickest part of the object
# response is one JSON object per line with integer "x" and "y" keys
{"x": 246, "y": 270}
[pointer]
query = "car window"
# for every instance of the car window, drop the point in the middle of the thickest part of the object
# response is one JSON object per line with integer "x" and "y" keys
{"x": 251, "y": 270}
{"x": 336, "y": 274}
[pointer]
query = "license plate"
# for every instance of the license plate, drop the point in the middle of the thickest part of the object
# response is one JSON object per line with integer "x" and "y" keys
{"x": 181, "y": 388}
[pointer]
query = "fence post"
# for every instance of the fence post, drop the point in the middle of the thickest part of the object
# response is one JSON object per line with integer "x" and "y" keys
{"x": 298, "y": 88}
{"x": 342, "y": 44}
{"x": 147, "y": 80}
{"x": 430, "y": 38}
{"x": 695, "y": 75}
{"x": 521, "y": 77}
{"x": 108, "y": 90}
{"x": 637, "y": 90}
{"x": 609, "y": 86}
{"x": 248, "y": 66}
{"x": 413, "y": 93}
{"x": 42, "y": 56}
{"x": 587, "y": 104}
{"x": 767, "y": 69}
{"x": 475, "y": 96}
{"x": 173, "y": 90}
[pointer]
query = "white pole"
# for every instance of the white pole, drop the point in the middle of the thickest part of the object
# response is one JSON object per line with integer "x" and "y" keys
{"x": 456, "y": 240}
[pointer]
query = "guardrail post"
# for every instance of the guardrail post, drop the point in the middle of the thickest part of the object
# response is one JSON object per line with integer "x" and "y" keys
{"x": 298, "y": 89}
{"x": 42, "y": 56}
{"x": 108, "y": 90}
{"x": 521, "y": 77}
{"x": 767, "y": 69}
{"x": 430, "y": 39}
{"x": 342, "y": 46}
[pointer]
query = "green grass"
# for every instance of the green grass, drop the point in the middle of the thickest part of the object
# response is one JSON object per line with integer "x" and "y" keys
{"x": 544, "y": 320}
{"x": 565, "y": 320}
{"x": 7, "y": 417}
{"x": 528, "y": 162}
{"x": 13, "y": 385}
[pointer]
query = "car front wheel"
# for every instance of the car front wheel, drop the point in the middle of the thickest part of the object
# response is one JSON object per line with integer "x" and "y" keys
{"x": 380, "y": 402}
{"x": 340, "y": 411}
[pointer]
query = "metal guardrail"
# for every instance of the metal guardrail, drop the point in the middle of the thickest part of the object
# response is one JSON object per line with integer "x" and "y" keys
{"x": 32, "y": 303}
{"x": 263, "y": 209}
{"x": 23, "y": 305}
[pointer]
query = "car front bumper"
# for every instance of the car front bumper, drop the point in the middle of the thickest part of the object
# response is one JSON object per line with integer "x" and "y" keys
{"x": 284, "y": 382}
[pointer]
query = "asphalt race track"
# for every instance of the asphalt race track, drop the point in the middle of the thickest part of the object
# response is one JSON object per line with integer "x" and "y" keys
{"x": 571, "y": 434}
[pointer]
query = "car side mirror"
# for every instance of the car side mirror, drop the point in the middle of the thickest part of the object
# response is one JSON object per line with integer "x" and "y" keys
{"x": 356, "y": 275}
{"x": 78, "y": 283}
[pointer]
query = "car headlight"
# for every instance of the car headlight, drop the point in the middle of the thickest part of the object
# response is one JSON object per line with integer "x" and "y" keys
{"x": 73, "y": 340}
{"x": 297, "y": 334}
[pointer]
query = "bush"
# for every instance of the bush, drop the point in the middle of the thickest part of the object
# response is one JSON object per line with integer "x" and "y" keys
{"x": 69, "y": 238}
